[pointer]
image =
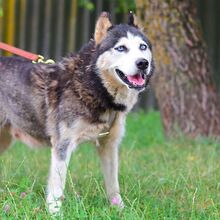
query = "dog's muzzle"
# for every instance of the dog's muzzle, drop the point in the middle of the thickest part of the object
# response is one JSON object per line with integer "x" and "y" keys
{"x": 138, "y": 81}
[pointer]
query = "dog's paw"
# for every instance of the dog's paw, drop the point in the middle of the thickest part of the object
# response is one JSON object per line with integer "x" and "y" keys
{"x": 117, "y": 201}
{"x": 54, "y": 205}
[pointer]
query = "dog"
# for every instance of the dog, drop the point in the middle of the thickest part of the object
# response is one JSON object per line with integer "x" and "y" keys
{"x": 84, "y": 97}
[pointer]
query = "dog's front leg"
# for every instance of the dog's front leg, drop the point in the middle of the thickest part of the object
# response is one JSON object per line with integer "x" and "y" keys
{"x": 108, "y": 152}
{"x": 60, "y": 157}
{"x": 109, "y": 161}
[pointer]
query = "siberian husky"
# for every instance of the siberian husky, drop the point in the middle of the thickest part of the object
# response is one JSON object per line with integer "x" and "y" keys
{"x": 84, "y": 97}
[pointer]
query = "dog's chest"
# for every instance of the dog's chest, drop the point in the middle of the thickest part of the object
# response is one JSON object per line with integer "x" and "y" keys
{"x": 81, "y": 130}
{"x": 91, "y": 132}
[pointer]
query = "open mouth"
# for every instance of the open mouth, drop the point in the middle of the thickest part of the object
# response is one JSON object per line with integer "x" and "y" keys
{"x": 136, "y": 81}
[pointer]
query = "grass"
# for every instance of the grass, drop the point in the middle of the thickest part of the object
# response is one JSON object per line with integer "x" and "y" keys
{"x": 160, "y": 179}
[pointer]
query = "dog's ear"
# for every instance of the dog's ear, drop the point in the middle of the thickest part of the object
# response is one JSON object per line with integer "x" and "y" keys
{"x": 102, "y": 26}
{"x": 134, "y": 21}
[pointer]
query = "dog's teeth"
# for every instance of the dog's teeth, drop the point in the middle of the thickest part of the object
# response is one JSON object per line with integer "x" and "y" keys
{"x": 143, "y": 76}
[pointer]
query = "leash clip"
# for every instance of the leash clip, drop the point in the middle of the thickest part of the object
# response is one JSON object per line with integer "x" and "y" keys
{"x": 41, "y": 59}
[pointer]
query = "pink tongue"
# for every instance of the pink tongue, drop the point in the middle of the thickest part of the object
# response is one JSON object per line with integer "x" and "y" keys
{"x": 136, "y": 79}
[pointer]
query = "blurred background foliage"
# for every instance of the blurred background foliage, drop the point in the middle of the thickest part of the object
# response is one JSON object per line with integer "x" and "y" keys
{"x": 55, "y": 28}
{"x": 1, "y": 10}
{"x": 122, "y": 6}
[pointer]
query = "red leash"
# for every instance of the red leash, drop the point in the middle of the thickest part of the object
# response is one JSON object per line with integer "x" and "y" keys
{"x": 19, "y": 52}
{"x": 22, "y": 53}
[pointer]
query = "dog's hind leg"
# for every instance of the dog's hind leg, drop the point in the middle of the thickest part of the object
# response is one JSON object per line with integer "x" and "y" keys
{"x": 5, "y": 138}
{"x": 108, "y": 152}
{"x": 60, "y": 158}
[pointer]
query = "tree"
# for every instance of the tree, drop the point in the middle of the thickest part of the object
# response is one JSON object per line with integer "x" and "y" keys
{"x": 183, "y": 82}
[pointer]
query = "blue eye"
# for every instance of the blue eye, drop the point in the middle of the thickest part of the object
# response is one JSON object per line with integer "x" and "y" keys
{"x": 143, "y": 47}
{"x": 121, "y": 48}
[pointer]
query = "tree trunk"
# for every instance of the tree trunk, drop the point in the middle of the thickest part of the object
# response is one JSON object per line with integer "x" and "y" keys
{"x": 183, "y": 83}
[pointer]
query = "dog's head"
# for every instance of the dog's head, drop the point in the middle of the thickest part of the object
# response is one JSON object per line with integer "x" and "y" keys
{"x": 124, "y": 52}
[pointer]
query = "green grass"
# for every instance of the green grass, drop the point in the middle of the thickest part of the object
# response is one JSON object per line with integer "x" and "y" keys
{"x": 159, "y": 179}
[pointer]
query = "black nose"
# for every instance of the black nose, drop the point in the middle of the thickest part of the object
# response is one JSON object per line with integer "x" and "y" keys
{"x": 142, "y": 64}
